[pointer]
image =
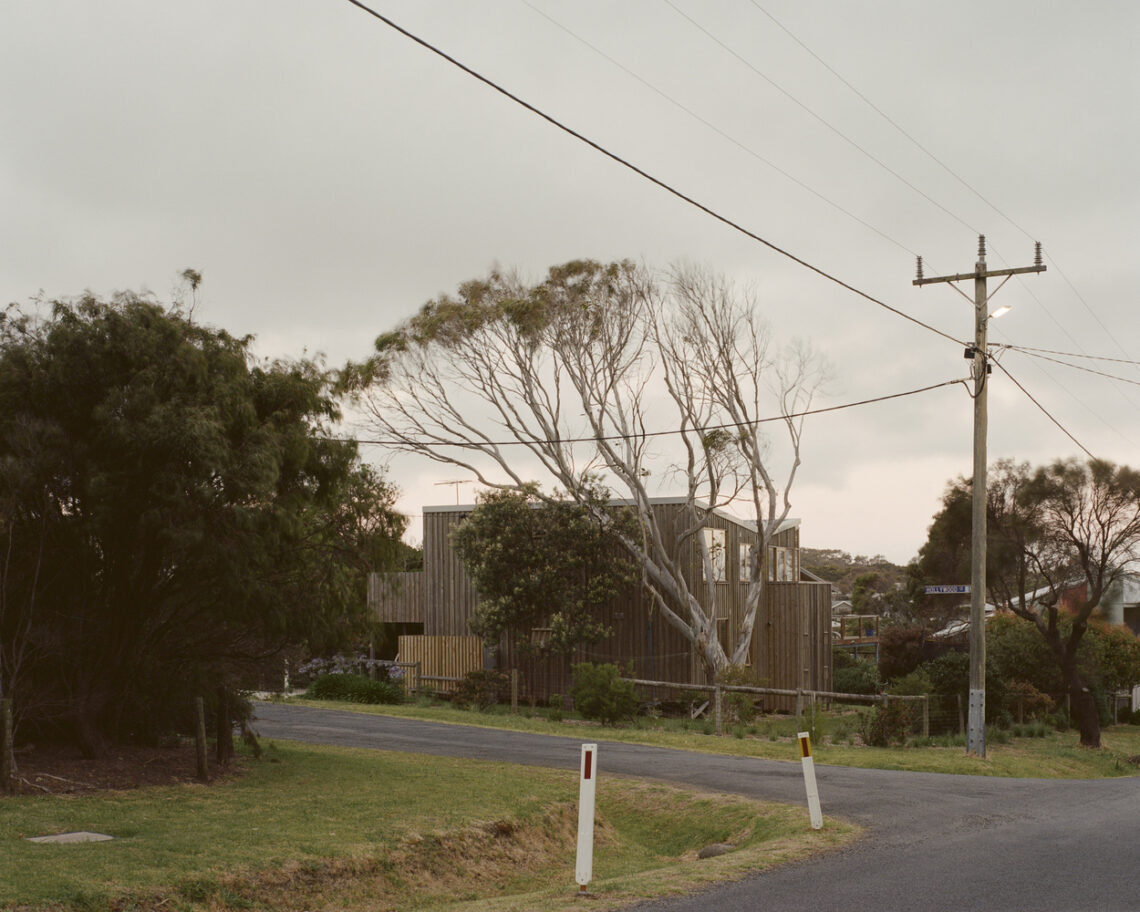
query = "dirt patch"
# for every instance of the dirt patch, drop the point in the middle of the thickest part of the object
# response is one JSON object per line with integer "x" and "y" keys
{"x": 53, "y": 769}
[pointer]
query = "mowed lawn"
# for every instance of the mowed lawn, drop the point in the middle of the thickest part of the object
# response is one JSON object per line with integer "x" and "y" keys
{"x": 314, "y": 827}
{"x": 1051, "y": 755}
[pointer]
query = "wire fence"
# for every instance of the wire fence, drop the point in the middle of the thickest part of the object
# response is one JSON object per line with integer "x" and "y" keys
{"x": 806, "y": 702}
{"x": 920, "y": 715}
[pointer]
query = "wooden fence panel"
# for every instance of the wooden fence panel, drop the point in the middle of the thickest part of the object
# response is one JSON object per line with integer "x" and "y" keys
{"x": 442, "y": 657}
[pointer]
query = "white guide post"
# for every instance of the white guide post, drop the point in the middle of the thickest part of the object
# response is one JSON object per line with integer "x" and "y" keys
{"x": 809, "y": 781}
{"x": 587, "y": 787}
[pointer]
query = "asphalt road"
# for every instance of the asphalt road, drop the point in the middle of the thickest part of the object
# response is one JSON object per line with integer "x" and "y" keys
{"x": 934, "y": 842}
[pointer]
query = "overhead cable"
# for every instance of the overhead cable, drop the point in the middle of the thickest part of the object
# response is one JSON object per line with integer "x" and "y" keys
{"x": 732, "y": 425}
{"x": 723, "y": 134}
{"x": 647, "y": 176}
{"x": 952, "y": 173}
{"x": 779, "y": 88}
{"x": 1044, "y": 410}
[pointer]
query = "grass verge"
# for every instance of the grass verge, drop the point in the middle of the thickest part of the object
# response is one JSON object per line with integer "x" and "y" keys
{"x": 1056, "y": 755}
{"x": 317, "y": 827}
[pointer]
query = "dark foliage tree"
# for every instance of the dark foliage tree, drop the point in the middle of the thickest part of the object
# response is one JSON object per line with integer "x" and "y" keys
{"x": 900, "y": 650}
{"x": 539, "y": 563}
{"x": 1057, "y": 538}
{"x": 170, "y": 511}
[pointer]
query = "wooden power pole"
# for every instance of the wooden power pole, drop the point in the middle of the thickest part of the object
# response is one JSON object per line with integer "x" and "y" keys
{"x": 976, "y": 720}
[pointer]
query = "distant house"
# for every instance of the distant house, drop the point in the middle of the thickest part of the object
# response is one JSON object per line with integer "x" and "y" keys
{"x": 1120, "y": 604}
{"x": 840, "y": 607}
{"x": 791, "y": 646}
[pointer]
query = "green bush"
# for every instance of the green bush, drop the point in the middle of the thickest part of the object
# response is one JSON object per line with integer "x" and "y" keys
{"x": 841, "y": 658}
{"x": 883, "y": 726}
{"x": 1022, "y": 697}
{"x": 860, "y": 678}
{"x": 600, "y": 693}
{"x": 740, "y": 707}
{"x": 353, "y": 688}
{"x": 915, "y": 683}
{"x": 900, "y": 650}
{"x": 481, "y": 689}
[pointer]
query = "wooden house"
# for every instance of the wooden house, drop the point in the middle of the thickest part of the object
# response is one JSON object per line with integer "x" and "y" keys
{"x": 791, "y": 644}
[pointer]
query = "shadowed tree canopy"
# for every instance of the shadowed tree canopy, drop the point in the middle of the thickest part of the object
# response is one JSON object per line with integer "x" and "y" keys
{"x": 170, "y": 511}
{"x": 1057, "y": 538}
{"x": 609, "y": 371}
{"x": 537, "y": 564}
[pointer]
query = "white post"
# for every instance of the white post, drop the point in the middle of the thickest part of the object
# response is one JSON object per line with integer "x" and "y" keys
{"x": 809, "y": 781}
{"x": 588, "y": 778}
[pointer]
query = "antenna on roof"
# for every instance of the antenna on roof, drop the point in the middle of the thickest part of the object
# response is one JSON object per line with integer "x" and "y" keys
{"x": 457, "y": 484}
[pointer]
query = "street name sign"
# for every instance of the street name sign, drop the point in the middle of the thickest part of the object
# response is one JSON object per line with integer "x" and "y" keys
{"x": 947, "y": 590}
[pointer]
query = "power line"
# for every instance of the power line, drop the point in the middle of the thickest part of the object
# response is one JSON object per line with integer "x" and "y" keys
{"x": 646, "y": 175}
{"x": 697, "y": 430}
{"x": 1087, "y": 370}
{"x": 1067, "y": 389}
{"x": 1049, "y": 351}
{"x": 779, "y": 88}
{"x": 883, "y": 114}
{"x": 723, "y": 134}
{"x": 1044, "y": 410}
{"x": 956, "y": 177}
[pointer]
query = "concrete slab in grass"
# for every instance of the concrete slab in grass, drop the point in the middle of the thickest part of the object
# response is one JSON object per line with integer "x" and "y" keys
{"x": 72, "y": 837}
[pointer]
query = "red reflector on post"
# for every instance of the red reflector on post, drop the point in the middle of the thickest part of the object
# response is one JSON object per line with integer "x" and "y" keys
{"x": 589, "y": 765}
{"x": 805, "y": 746}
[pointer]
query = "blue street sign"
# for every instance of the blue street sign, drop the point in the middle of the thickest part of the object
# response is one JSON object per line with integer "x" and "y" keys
{"x": 947, "y": 590}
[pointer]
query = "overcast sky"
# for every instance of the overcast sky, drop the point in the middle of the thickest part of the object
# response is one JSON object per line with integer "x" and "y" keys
{"x": 327, "y": 176}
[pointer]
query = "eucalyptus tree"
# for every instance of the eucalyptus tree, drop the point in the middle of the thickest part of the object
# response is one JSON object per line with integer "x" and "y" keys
{"x": 607, "y": 371}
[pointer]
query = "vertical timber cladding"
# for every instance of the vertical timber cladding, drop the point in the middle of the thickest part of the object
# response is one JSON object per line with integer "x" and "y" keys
{"x": 792, "y": 642}
{"x": 639, "y": 636}
{"x": 791, "y": 639}
{"x": 396, "y": 598}
{"x": 729, "y": 589}
{"x": 449, "y": 597}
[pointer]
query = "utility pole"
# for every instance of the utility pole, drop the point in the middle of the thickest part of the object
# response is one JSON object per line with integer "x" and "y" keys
{"x": 976, "y": 722}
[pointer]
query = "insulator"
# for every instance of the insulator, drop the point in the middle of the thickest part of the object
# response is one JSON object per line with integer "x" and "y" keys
{"x": 1037, "y": 254}
{"x": 981, "y": 246}
{"x": 919, "y": 276}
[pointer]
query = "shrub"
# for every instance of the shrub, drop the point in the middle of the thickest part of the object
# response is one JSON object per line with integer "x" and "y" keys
{"x": 883, "y": 726}
{"x": 600, "y": 693}
{"x": 1023, "y": 696}
{"x": 915, "y": 683}
{"x": 353, "y": 688}
{"x": 841, "y": 658}
{"x": 900, "y": 650}
{"x": 860, "y": 678}
{"x": 481, "y": 689}
{"x": 740, "y": 706}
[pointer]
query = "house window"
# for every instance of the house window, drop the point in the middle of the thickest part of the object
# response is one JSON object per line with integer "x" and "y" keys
{"x": 713, "y": 541}
{"x": 783, "y": 565}
{"x": 744, "y": 572}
